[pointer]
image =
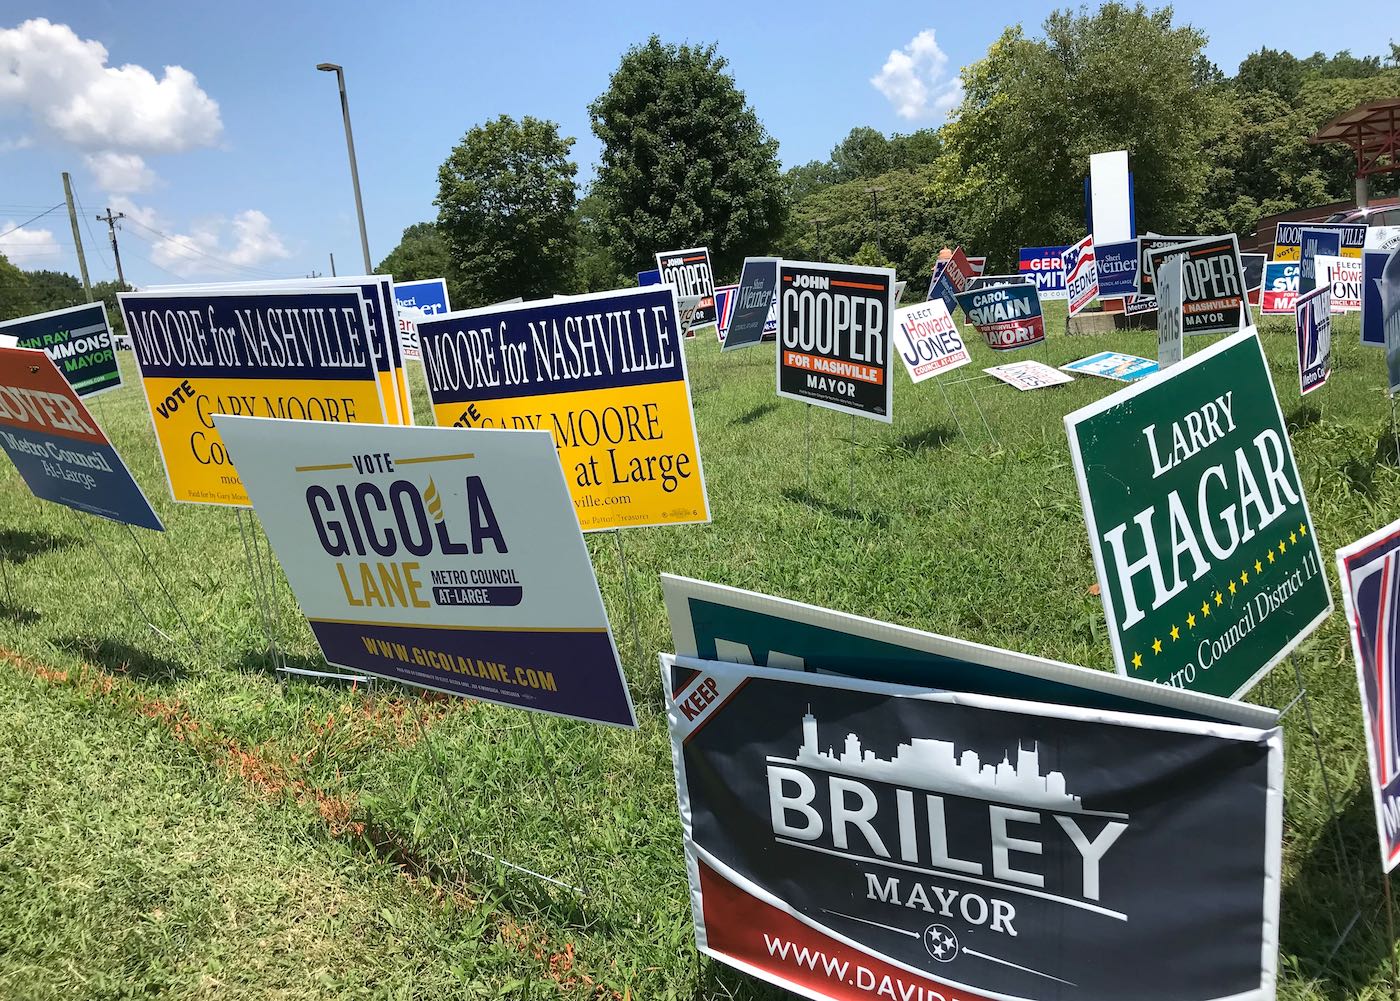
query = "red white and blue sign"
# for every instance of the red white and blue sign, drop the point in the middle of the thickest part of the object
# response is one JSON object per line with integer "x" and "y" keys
{"x": 1081, "y": 274}
{"x": 1280, "y": 289}
{"x": 57, "y": 446}
{"x": 724, "y": 309}
{"x": 1045, "y": 266}
{"x": 1368, "y": 572}
{"x": 1313, "y": 320}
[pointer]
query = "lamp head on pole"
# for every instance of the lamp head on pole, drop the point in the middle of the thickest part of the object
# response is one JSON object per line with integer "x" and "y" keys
{"x": 329, "y": 67}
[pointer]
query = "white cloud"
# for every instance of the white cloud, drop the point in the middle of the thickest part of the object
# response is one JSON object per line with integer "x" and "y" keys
{"x": 120, "y": 173}
{"x": 64, "y": 84}
{"x": 21, "y": 142}
{"x": 912, "y": 79}
{"x": 211, "y": 246}
{"x": 26, "y": 248}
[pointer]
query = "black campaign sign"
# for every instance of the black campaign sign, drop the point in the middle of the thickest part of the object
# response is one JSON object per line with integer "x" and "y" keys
{"x": 848, "y": 839}
{"x": 835, "y": 326}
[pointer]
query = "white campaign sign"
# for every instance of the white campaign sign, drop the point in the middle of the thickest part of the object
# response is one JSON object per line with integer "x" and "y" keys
{"x": 1169, "y": 321}
{"x": 928, "y": 340}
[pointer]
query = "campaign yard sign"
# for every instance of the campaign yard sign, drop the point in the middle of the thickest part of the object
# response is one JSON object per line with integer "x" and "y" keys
{"x": 958, "y": 271}
{"x": 1313, "y": 323}
{"x": 983, "y": 281}
{"x": 850, "y": 839}
{"x": 1280, "y": 289}
{"x": 1026, "y": 375}
{"x": 417, "y": 301}
{"x": 445, "y": 559}
{"x": 1343, "y": 276}
{"x": 1388, "y": 292}
{"x": 1316, "y": 243}
{"x": 78, "y": 340}
{"x": 1008, "y": 316}
{"x": 1114, "y": 365}
{"x": 1373, "y": 267}
{"x": 58, "y": 448}
{"x": 302, "y": 355}
{"x": 1117, "y": 266}
{"x": 1081, "y": 274}
{"x": 1288, "y": 238}
{"x": 836, "y": 330}
{"x": 1170, "y": 331}
{"x": 1213, "y": 297}
{"x": 605, "y": 373}
{"x": 1253, "y": 275}
{"x": 724, "y": 309}
{"x": 716, "y": 622}
{"x": 1148, "y": 245}
{"x": 1045, "y": 266}
{"x": 690, "y": 272}
{"x": 755, "y": 300}
{"x": 1207, "y": 562}
{"x": 928, "y": 340}
{"x": 1367, "y": 570}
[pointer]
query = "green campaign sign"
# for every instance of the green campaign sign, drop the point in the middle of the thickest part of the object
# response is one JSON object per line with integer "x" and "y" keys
{"x": 1204, "y": 547}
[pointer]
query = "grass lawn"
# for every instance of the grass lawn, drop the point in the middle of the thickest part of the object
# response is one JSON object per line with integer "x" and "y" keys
{"x": 175, "y": 821}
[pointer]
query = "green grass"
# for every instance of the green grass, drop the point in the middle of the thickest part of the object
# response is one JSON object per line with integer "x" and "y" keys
{"x": 197, "y": 828}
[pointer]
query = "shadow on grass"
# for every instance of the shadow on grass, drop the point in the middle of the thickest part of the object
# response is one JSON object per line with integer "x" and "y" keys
{"x": 762, "y": 410}
{"x": 20, "y": 544}
{"x": 801, "y": 496}
{"x": 1387, "y": 450}
{"x": 17, "y": 614}
{"x": 1360, "y": 476}
{"x": 926, "y": 440}
{"x": 119, "y": 657}
{"x": 1304, "y": 416}
{"x": 1327, "y": 895}
{"x": 261, "y": 661}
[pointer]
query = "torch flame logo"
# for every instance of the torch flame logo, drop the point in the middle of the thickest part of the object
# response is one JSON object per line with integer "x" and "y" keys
{"x": 433, "y": 500}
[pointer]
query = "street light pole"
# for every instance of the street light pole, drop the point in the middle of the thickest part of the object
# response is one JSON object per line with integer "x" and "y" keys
{"x": 339, "y": 72}
{"x": 875, "y": 215}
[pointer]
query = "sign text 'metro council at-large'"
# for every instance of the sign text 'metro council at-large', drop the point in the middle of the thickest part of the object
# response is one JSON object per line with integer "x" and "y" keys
{"x": 1207, "y": 562}
{"x": 835, "y": 330}
{"x": 605, "y": 373}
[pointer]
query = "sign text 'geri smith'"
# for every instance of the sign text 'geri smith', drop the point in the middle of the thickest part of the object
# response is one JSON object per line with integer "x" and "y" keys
{"x": 261, "y": 339}
{"x": 596, "y": 344}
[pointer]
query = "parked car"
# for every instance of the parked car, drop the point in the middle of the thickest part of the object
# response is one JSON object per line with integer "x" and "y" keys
{"x": 1384, "y": 214}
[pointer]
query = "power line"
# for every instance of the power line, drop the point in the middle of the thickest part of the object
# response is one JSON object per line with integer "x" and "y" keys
{"x": 181, "y": 244}
{"x": 35, "y": 219}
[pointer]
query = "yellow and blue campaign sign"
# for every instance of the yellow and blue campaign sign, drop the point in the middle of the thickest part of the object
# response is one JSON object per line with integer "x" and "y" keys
{"x": 301, "y": 355}
{"x": 57, "y": 446}
{"x": 604, "y": 373}
{"x": 445, "y": 559}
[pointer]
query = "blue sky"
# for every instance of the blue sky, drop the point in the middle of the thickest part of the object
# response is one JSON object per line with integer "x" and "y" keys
{"x": 232, "y": 164}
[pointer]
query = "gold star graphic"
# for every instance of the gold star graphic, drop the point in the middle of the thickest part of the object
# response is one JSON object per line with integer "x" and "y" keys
{"x": 1205, "y": 609}
{"x": 1191, "y": 621}
{"x": 1258, "y": 567}
{"x": 1293, "y": 538}
{"x": 1302, "y": 528}
{"x": 1271, "y": 555}
{"x": 1156, "y": 646}
{"x": 1282, "y": 547}
{"x": 1244, "y": 576}
{"x": 1232, "y": 587}
{"x": 1176, "y": 633}
{"x": 1219, "y": 598}
{"x": 1137, "y": 661}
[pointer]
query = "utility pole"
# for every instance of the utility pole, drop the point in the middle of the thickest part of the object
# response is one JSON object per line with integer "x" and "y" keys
{"x": 77, "y": 238}
{"x": 111, "y": 221}
{"x": 332, "y": 265}
{"x": 875, "y": 216}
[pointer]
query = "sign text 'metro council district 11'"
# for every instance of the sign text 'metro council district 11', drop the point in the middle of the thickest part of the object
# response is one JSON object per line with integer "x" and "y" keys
{"x": 835, "y": 329}
{"x": 1204, "y": 547}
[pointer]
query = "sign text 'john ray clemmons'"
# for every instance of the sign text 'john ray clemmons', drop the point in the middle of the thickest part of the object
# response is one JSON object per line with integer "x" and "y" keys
{"x": 78, "y": 340}
{"x": 849, "y": 839}
{"x": 836, "y": 326}
{"x": 445, "y": 559}
{"x": 604, "y": 373}
{"x": 301, "y": 355}
{"x": 1202, "y": 540}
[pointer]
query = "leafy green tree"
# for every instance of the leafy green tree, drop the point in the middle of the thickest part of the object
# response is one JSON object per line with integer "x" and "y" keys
{"x": 597, "y": 269}
{"x": 54, "y": 290}
{"x": 685, "y": 161}
{"x": 16, "y": 298}
{"x": 1271, "y": 70}
{"x": 1342, "y": 66}
{"x": 421, "y": 253}
{"x": 106, "y": 293}
{"x": 506, "y": 210}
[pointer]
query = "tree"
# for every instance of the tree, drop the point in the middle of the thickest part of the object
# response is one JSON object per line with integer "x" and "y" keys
{"x": 1270, "y": 70}
{"x": 421, "y": 253}
{"x": 596, "y": 270}
{"x": 685, "y": 161}
{"x": 16, "y": 298}
{"x": 506, "y": 210}
{"x": 54, "y": 290}
{"x": 1036, "y": 109}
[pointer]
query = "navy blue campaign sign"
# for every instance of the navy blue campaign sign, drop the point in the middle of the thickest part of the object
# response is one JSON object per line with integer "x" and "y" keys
{"x": 1118, "y": 265}
{"x": 57, "y": 446}
{"x": 79, "y": 342}
{"x": 1369, "y": 572}
{"x": 715, "y": 622}
{"x": 758, "y": 284}
{"x": 440, "y": 558}
{"x": 1316, "y": 242}
{"x": 1313, "y": 323}
{"x": 1372, "y": 325}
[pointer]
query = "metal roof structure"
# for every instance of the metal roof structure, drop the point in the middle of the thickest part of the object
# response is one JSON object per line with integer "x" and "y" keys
{"x": 1372, "y": 130}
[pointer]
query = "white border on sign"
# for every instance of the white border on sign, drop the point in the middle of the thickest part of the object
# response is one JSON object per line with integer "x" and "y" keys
{"x": 1301, "y": 304}
{"x": 1246, "y": 318}
{"x": 107, "y": 325}
{"x": 511, "y": 307}
{"x": 857, "y": 269}
{"x": 1273, "y": 810}
{"x": 1129, "y": 392}
{"x": 1353, "y": 633}
{"x": 197, "y": 291}
{"x": 777, "y": 263}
